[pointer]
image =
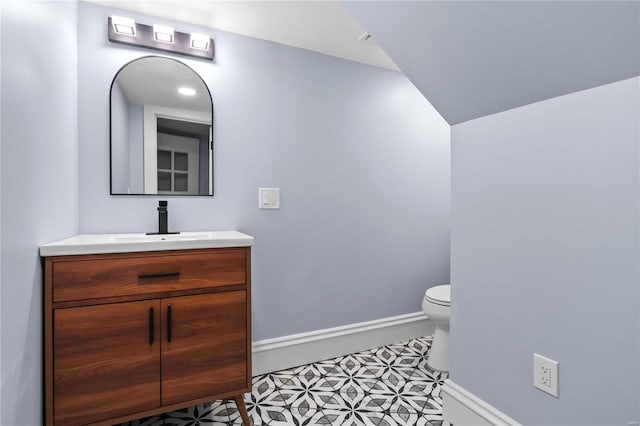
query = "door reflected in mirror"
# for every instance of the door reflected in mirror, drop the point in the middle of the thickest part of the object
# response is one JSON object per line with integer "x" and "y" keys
{"x": 161, "y": 130}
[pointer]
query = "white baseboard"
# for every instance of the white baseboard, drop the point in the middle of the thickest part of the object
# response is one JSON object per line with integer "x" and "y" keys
{"x": 298, "y": 349}
{"x": 462, "y": 408}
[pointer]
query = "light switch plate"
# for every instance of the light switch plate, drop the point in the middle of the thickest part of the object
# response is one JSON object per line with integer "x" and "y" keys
{"x": 269, "y": 198}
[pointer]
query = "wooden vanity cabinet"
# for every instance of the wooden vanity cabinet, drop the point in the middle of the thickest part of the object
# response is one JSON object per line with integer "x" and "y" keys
{"x": 180, "y": 335}
{"x": 194, "y": 366}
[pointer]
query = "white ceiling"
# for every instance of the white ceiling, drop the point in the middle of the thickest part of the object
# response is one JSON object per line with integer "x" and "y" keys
{"x": 321, "y": 26}
{"x": 155, "y": 81}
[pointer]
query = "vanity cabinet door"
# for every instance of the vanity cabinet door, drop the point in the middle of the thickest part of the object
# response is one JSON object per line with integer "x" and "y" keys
{"x": 106, "y": 361}
{"x": 204, "y": 345}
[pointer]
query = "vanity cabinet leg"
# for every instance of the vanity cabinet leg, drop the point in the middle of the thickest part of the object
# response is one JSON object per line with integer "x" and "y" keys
{"x": 242, "y": 409}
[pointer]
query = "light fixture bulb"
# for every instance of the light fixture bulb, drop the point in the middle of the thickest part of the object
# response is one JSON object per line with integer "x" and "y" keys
{"x": 199, "y": 41}
{"x": 122, "y": 25}
{"x": 162, "y": 33}
{"x": 187, "y": 91}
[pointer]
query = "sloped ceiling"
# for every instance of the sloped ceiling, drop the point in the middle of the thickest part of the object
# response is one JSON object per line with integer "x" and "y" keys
{"x": 475, "y": 58}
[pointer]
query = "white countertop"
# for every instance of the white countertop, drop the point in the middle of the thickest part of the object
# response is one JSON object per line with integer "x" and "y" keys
{"x": 123, "y": 243}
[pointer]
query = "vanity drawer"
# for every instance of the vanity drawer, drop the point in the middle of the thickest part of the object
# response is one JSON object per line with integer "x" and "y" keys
{"x": 101, "y": 276}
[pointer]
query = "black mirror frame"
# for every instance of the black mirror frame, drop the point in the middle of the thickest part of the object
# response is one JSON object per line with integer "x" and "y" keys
{"x": 111, "y": 132}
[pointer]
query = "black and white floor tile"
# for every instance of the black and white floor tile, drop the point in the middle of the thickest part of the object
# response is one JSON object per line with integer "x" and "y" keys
{"x": 387, "y": 386}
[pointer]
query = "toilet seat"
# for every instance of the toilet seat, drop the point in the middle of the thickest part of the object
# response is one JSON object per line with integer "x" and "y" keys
{"x": 439, "y": 295}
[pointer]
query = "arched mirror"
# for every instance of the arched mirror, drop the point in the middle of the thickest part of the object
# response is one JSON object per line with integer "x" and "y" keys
{"x": 161, "y": 130}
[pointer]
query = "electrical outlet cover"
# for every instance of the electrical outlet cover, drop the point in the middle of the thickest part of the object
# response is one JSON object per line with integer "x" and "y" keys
{"x": 545, "y": 374}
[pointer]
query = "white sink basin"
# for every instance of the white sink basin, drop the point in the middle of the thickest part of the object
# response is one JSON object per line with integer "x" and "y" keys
{"x": 184, "y": 236}
{"x": 122, "y": 243}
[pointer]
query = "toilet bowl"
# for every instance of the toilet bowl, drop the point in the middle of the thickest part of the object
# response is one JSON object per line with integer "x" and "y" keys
{"x": 436, "y": 305}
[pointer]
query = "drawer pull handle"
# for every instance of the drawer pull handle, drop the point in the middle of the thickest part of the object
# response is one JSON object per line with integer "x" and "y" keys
{"x": 161, "y": 275}
{"x": 151, "y": 327}
{"x": 168, "y": 323}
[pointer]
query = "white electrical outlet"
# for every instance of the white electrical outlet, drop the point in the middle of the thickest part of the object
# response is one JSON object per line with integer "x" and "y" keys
{"x": 545, "y": 374}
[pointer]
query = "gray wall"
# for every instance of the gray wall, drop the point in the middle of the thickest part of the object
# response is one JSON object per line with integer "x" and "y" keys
{"x": 127, "y": 122}
{"x": 39, "y": 193}
{"x": 544, "y": 256}
{"x": 360, "y": 156}
{"x": 136, "y": 148}
{"x": 1, "y": 403}
{"x": 119, "y": 140}
{"x": 475, "y": 58}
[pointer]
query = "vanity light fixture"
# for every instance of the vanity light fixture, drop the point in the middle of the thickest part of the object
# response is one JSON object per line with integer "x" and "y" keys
{"x": 159, "y": 37}
{"x": 126, "y": 26}
{"x": 187, "y": 91}
{"x": 199, "y": 41}
{"x": 162, "y": 33}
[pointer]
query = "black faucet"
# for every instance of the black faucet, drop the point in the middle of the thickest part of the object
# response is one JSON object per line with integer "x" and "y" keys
{"x": 163, "y": 220}
{"x": 163, "y": 217}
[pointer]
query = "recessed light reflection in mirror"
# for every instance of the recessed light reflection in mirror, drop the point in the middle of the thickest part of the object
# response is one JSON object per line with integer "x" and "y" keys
{"x": 187, "y": 91}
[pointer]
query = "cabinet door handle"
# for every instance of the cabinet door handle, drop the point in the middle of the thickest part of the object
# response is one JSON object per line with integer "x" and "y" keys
{"x": 168, "y": 323}
{"x": 160, "y": 275}
{"x": 151, "y": 327}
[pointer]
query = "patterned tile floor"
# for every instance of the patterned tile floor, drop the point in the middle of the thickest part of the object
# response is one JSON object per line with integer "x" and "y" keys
{"x": 387, "y": 386}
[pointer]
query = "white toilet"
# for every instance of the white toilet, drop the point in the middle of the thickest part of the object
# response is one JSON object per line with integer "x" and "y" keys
{"x": 436, "y": 306}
